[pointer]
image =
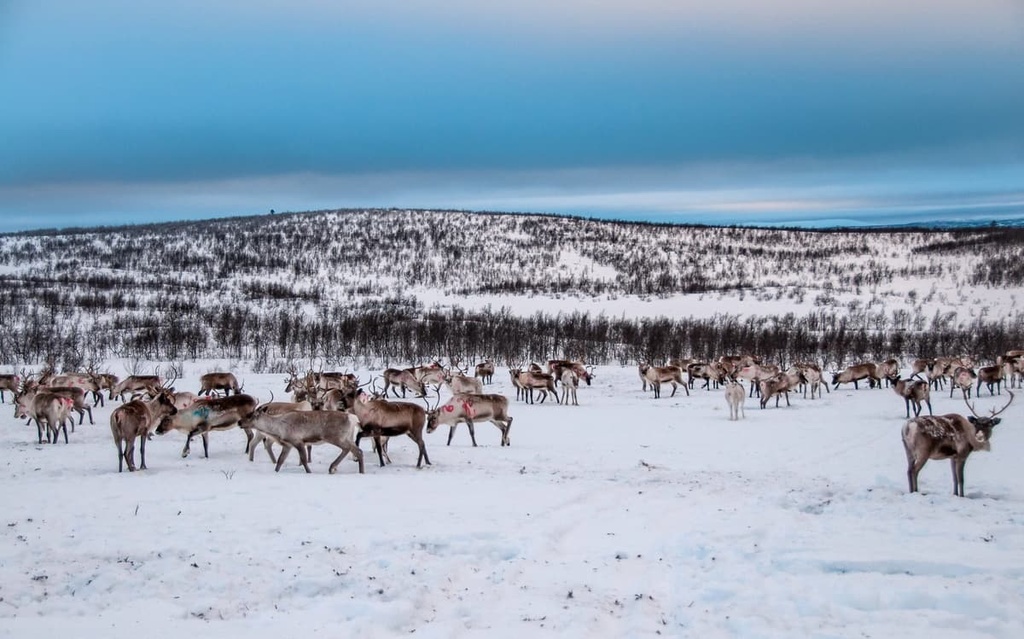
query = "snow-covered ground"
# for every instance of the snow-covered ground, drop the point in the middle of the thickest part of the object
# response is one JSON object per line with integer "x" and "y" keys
{"x": 625, "y": 516}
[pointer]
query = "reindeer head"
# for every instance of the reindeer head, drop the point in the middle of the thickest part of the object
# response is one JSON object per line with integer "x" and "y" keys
{"x": 983, "y": 424}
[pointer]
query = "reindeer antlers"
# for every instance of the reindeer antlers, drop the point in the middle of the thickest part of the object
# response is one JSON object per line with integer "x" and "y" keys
{"x": 993, "y": 411}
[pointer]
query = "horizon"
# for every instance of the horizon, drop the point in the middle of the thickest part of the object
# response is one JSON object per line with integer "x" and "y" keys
{"x": 865, "y": 114}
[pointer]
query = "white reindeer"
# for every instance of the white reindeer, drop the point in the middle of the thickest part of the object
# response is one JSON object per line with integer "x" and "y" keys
{"x": 735, "y": 396}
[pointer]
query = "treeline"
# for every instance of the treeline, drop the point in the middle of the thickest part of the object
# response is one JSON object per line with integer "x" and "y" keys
{"x": 402, "y": 331}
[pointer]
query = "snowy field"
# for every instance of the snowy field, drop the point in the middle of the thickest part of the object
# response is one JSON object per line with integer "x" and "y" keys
{"x": 626, "y": 516}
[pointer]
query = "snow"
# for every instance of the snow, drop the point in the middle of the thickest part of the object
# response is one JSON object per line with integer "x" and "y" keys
{"x": 625, "y": 516}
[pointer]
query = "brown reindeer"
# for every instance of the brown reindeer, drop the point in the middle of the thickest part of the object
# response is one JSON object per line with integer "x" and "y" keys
{"x": 657, "y": 375}
{"x": 855, "y": 373}
{"x": 49, "y": 410}
{"x": 226, "y": 382}
{"x": 484, "y": 371}
{"x": 779, "y": 385}
{"x": 963, "y": 378}
{"x": 11, "y": 383}
{"x": 380, "y": 418}
{"x": 405, "y": 379}
{"x": 531, "y": 380}
{"x": 137, "y": 385}
{"x": 134, "y": 420}
{"x": 952, "y": 437}
{"x": 990, "y": 376}
{"x": 913, "y": 391}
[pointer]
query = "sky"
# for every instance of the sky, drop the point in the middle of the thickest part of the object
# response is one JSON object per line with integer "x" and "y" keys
{"x": 794, "y": 111}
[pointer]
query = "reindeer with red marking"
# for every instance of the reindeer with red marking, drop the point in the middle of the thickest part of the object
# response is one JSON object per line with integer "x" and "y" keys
{"x": 469, "y": 408}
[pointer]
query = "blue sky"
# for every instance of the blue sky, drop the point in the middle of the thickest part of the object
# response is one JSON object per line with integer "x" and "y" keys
{"x": 798, "y": 111}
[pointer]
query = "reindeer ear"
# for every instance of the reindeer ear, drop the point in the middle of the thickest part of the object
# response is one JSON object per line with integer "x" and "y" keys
{"x": 995, "y": 420}
{"x": 972, "y": 419}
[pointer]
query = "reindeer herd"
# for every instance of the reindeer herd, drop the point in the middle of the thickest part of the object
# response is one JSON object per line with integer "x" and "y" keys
{"x": 335, "y": 408}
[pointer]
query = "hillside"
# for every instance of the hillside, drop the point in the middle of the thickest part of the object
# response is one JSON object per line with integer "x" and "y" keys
{"x": 391, "y": 284}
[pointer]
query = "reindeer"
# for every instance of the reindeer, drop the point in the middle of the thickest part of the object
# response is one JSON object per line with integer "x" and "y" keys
{"x": 582, "y": 371}
{"x": 218, "y": 413}
{"x": 570, "y": 384}
{"x": 135, "y": 420}
{"x": 754, "y": 373}
{"x": 469, "y": 407}
{"x": 913, "y": 391}
{"x": 404, "y": 379}
{"x": 813, "y": 378}
{"x": 485, "y": 371}
{"x": 888, "y": 370}
{"x": 276, "y": 408}
{"x": 962, "y": 378}
{"x": 990, "y": 376}
{"x": 531, "y": 380}
{"x": 378, "y": 418}
{"x": 226, "y": 382}
{"x": 462, "y": 383}
{"x": 952, "y": 437}
{"x": 137, "y": 385}
{"x": 735, "y": 396}
{"x": 332, "y": 380}
{"x": 710, "y": 372}
{"x": 855, "y": 373}
{"x": 779, "y": 385}
{"x": 302, "y": 429}
{"x": 430, "y": 374}
{"x": 76, "y": 395}
{"x": 1014, "y": 371}
{"x": 107, "y": 382}
{"x": 11, "y": 383}
{"x": 88, "y": 382}
{"x": 47, "y": 409}
{"x": 300, "y": 387}
{"x": 657, "y": 375}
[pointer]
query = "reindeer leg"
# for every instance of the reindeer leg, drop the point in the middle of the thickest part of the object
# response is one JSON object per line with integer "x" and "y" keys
{"x": 451, "y": 433}
{"x": 120, "y": 455}
{"x": 142, "y": 452}
{"x": 206, "y": 444}
{"x": 423, "y": 451}
{"x": 472, "y": 433}
{"x": 304, "y": 460}
{"x": 379, "y": 448}
{"x": 188, "y": 443}
{"x": 285, "y": 449}
{"x": 957, "y": 466}
{"x": 88, "y": 410}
